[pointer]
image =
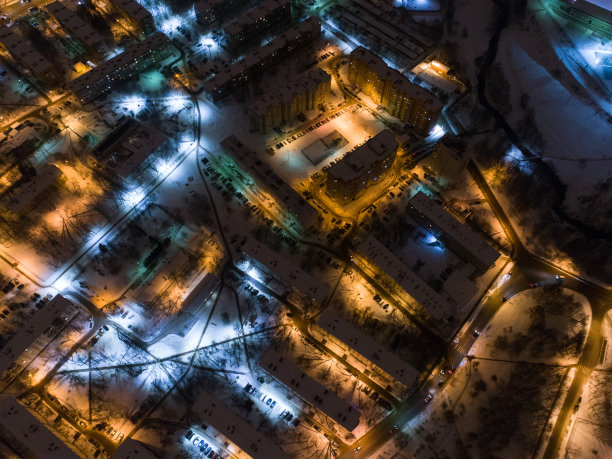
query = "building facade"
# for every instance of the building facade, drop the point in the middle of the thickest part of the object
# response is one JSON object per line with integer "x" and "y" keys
{"x": 366, "y": 165}
{"x": 90, "y": 40}
{"x": 257, "y": 20}
{"x": 129, "y": 63}
{"x": 389, "y": 88}
{"x": 214, "y": 11}
{"x": 284, "y": 104}
{"x": 255, "y": 64}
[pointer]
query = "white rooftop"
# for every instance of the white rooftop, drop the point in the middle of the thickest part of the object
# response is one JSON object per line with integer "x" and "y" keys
{"x": 212, "y": 412}
{"x": 377, "y": 253}
{"x": 327, "y": 401}
{"x": 463, "y": 235}
{"x": 28, "y": 333}
{"x": 355, "y": 163}
{"x": 386, "y": 360}
{"x": 32, "y": 433}
{"x": 287, "y": 272}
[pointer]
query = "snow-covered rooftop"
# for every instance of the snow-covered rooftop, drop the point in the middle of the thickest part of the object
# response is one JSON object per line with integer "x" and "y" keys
{"x": 386, "y": 360}
{"x": 287, "y": 272}
{"x": 475, "y": 245}
{"x": 212, "y": 412}
{"x": 73, "y": 24}
{"x": 35, "y": 327}
{"x": 32, "y": 433}
{"x": 261, "y": 171}
{"x": 310, "y": 390}
{"x": 23, "y": 52}
{"x": 360, "y": 160}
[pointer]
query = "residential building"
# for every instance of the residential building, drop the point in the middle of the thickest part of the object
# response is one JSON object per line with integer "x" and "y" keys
{"x": 136, "y": 14}
{"x": 222, "y": 419}
{"x": 598, "y": 9}
{"x": 284, "y": 104}
{"x": 382, "y": 32}
{"x": 214, "y": 11}
{"x": 128, "y": 149}
{"x": 318, "y": 396}
{"x": 28, "y": 435}
{"x": 447, "y": 159}
{"x": 91, "y": 41}
{"x": 129, "y": 63}
{"x": 264, "y": 259}
{"x": 337, "y": 327}
{"x": 460, "y": 238}
{"x": 256, "y": 63}
{"x": 29, "y": 190}
{"x": 255, "y": 21}
{"x": 133, "y": 449}
{"x": 391, "y": 272}
{"x": 242, "y": 166}
{"x": 35, "y": 335}
{"x": 22, "y": 51}
{"x": 396, "y": 93}
{"x": 362, "y": 167}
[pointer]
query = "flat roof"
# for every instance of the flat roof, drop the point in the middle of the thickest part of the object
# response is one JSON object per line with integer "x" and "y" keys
{"x": 32, "y": 433}
{"x": 133, "y": 9}
{"x": 19, "y": 198}
{"x": 462, "y": 234}
{"x": 23, "y": 51}
{"x": 386, "y": 360}
{"x": 287, "y": 372}
{"x": 285, "y": 94}
{"x": 237, "y": 430}
{"x": 199, "y": 291}
{"x": 238, "y": 68}
{"x": 129, "y": 151}
{"x": 74, "y": 24}
{"x": 399, "y": 81}
{"x": 355, "y": 163}
{"x": 287, "y": 272}
{"x": 152, "y": 42}
{"x": 407, "y": 279}
{"x": 32, "y": 329}
{"x": 133, "y": 449}
{"x": 291, "y": 199}
{"x": 254, "y": 15}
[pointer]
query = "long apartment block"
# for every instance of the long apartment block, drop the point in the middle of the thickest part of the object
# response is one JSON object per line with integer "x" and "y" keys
{"x": 129, "y": 63}
{"x": 256, "y": 63}
{"x": 328, "y": 402}
{"x": 284, "y": 104}
{"x": 386, "y": 86}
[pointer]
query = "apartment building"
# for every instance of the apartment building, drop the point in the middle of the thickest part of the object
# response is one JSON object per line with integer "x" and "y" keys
{"x": 136, "y": 14}
{"x": 307, "y": 92}
{"x": 366, "y": 165}
{"x": 256, "y": 63}
{"x": 25, "y": 55}
{"x": 129, "y": 63}
{"x": 400, "y": 97}
{"x": 256, "y": 21}
{"x": 214, "y": 11}
{"x": 91, "y": 41}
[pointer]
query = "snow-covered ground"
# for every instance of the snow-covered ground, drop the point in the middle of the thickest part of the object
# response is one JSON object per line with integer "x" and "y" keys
{"x": 537, "y": 326}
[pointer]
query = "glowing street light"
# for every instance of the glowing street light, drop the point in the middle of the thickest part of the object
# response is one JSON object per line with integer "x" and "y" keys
{"x": 133, "y": 197}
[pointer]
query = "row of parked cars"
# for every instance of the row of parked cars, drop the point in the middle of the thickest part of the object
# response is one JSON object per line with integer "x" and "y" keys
{"x": 206, "y": 449}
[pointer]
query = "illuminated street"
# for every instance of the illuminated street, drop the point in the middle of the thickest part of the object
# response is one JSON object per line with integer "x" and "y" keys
{"x": 305, "y": 229}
